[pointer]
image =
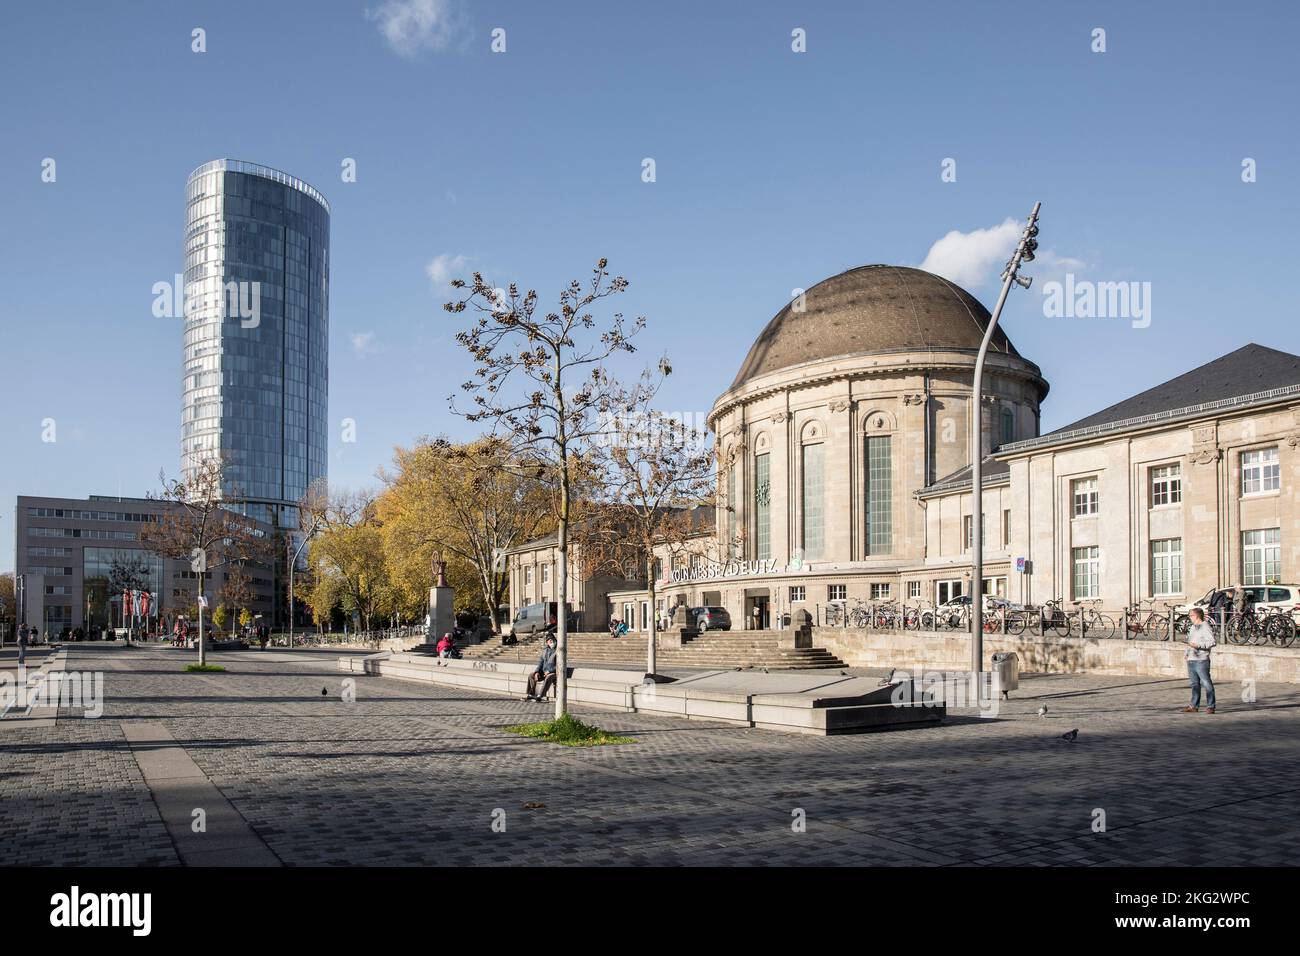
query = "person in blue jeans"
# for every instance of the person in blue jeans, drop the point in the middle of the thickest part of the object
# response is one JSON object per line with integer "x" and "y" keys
{"x": 1200, "y": 638}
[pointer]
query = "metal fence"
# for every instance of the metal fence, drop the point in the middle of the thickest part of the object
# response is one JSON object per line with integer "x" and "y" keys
{"x": 1084, "y": 619}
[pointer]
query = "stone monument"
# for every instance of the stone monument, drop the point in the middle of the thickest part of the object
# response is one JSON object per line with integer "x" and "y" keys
{"x": 441, "y": 596}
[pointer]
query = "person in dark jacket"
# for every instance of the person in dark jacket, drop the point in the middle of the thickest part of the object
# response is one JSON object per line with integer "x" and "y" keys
{"x": 545, "y": 671}
{"x": 1220, "y": 602}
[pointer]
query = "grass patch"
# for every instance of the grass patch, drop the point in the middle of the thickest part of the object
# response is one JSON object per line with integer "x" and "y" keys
{"x": 204, "y": 669}
{"x": 569, "y": 731}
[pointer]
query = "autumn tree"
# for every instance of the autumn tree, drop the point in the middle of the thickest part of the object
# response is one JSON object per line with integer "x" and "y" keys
{"x": 541, "y": 386}
{"x": 347, "y": 555}
{"x": 236, "y": 592}
{"x": 202, "y": 526}
{"x": 457, "y": 501}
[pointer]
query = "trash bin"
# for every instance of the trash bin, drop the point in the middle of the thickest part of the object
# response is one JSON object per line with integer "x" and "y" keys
{"x": 1006, "y": 671}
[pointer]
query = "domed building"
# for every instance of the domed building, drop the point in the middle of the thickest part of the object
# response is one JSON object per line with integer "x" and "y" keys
{"x": 843, "y": 456}
{"x": 853, "y": 398}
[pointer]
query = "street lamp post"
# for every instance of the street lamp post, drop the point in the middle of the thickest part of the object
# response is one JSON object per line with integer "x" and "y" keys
{"x": 1024, "y": 253}
{"x": 293, "y": 566}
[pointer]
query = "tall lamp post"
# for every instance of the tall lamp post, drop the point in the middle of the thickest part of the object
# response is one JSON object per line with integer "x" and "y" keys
{"x": 293, "y": 568}
{"x": 1024, "y": 253}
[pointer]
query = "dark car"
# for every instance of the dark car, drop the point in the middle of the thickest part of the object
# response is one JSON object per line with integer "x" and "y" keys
{"x": 537, "y": 617}
{"x": 711, "y": 618}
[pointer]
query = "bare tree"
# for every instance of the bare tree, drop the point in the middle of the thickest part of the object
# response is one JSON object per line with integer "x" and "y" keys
{"x": 200, "y": 525}
{"x": 541, "y": 384}
{"x": 657, "y": 472}
{"x": 237, "y": 592}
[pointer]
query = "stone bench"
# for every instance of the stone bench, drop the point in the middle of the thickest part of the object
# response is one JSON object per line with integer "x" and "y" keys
{"x": 808, "y": 703}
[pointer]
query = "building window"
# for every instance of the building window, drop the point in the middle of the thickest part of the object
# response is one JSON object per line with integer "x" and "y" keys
{"x": 837, "y": 592}
{"x": 945, "y": 591}
{"x": 813, "y": 510}
{"x": 1006, "y": 528}
{"x": 1166, "y": 485}
{"x": 796, "y": 593}
{"x": 1084, "y": 491}
{"x": 762, "y": 506}
{"x": 968, "y": 531}
{"x": 1261, "y": 556}
{"x": 546, "y": 574}
{"x": 731, "y": 511}
{"x": 1008, "y": 426}
{"x": 528, "y": 575}
{"x": 1087, "y": 579}
{"x": 880, "y": 526}
{"x": 1167, "y": 566}
{"x": 880, "y": 592}
{"x": 913, "y": 589}
{"x": 1260, "y": 471}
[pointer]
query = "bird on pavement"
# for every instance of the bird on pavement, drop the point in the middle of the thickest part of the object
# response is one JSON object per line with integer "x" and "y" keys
{"x": 1072, "y": 736}
{"x": 1042, "y": 711}
{"x": 324, "y": 692}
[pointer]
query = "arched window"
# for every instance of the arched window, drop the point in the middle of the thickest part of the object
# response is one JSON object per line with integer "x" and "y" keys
{"x": 1008, "y": 426}
{"x": 812, "y": 503}
{"x": 762, "y": 506}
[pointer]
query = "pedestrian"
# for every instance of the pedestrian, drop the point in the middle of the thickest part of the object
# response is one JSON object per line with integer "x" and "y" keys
{"x": 22, "y": 644}
{"x": 545, "y": 671}
{"x": 1242, "y": 605}
{"x": 613, "y": 627}
{"x": 1220, "y": 604}
{"x": 1200, "y": 638}
{"x": 446, "y": 646}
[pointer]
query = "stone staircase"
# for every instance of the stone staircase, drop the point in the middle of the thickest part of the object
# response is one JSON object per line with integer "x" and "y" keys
{"x": 720, "y": 650}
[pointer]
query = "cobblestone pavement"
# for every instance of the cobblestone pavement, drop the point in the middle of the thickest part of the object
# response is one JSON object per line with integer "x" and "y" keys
{"x": 412, "y": 774}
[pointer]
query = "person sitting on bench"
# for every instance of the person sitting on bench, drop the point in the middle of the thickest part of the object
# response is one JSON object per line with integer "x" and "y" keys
{"x": 545, "y": 671}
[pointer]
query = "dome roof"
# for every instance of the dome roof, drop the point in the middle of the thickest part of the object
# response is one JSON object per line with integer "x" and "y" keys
{"x": 871, "y": 309}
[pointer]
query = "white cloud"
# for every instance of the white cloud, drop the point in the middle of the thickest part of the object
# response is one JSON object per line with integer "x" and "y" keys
{"x": 442, "y": 269}
{"x": 413, "y": 26}
{"x": 971, "y": 258}
{"x": 365, "y": 343}
{"x": 977, "y": 257}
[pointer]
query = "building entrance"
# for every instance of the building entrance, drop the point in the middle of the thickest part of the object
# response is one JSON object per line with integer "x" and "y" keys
{"x": 757, "y": 610}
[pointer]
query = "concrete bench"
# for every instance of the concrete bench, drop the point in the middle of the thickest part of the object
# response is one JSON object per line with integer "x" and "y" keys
{"x": 811, "y": 703}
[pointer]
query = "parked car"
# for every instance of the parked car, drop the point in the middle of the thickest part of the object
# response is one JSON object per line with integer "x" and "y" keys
{"x": 537, "y": 617}
{"x": 1261, "y": 595}
{"x": 711, "y": 618}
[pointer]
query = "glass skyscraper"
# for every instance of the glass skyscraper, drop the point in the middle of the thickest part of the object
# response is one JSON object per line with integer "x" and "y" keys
{"x": 256, "y": 372}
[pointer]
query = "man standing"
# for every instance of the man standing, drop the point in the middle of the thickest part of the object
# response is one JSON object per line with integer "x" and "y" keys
{"x": 22, "y": 644}
{"x": 1200, "y": 638}
{"x": 545, "y": 671}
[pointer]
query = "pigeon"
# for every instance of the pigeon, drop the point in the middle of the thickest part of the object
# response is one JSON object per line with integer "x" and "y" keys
{"x": 1042, "y": 711}
{"x": 1072, "y": 736}
{"x": 534, "y": 806}
{"x": 888, "y": 678}
{"x": 324, "y": 692}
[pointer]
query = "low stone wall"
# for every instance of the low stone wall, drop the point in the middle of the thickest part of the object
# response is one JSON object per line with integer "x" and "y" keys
{"x": 950, "y": 650}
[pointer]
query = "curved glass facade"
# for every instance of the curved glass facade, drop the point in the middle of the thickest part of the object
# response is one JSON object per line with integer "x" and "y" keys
{"x": 256, "y": 375}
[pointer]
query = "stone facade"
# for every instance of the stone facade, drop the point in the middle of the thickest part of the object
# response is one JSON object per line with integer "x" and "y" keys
{"x": 845, "y": 477}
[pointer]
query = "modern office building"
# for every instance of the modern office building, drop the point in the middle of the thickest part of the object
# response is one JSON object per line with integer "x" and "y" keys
{"x": 256, "y": 371}
{"x": 75, "y": 557}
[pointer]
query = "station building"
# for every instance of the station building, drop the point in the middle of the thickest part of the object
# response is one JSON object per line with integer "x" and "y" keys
{"x": 844, "y": 455}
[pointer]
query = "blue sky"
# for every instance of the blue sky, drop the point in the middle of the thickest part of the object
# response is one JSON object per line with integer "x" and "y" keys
{"x": 774, "y": 170}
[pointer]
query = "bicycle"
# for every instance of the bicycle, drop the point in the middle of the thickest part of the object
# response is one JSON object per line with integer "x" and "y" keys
{"x": 1090, "y": 619}
{"x": 1279, "y": 626}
